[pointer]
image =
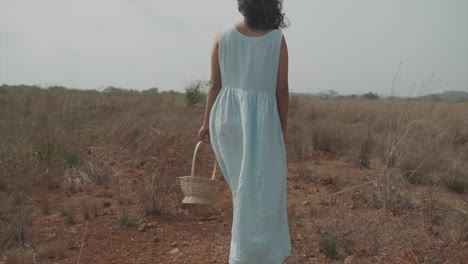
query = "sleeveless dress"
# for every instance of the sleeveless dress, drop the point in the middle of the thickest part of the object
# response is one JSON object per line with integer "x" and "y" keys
{"x": 247, "y": 139}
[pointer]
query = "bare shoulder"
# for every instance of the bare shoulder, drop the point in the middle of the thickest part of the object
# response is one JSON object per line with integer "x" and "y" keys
{"x": 218, "y": 37}
{"x": 284, "y": 48}
{"x": 283, "y": 41}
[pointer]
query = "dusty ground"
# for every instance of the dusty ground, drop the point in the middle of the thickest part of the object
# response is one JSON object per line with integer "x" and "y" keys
{"x": 201, "y": 234}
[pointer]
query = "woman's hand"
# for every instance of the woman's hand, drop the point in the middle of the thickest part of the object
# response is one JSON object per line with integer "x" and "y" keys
{"x": 204, "y": 133}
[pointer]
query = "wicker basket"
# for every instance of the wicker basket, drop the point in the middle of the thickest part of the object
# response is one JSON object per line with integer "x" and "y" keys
{"x": 199, "y": 190}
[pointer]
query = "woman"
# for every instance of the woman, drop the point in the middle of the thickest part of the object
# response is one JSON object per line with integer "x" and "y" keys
{"x": 246, "y": 124}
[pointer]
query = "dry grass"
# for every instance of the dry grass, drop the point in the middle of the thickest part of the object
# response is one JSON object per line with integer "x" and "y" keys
{"x": 432, "y": 209}
{"x": 126, "y": 219}
{"x": 156, "y": 191}
{"x": 18, "y": 256}
{"x": 455, "y": 177}
{"x": 15, "y": 216}
{"x": 48, "y": 141}
{"x": 89, "y": 209}
{"x": 54, "y": 251}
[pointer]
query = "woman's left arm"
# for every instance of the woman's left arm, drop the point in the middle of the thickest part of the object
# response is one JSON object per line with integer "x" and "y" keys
{"x": 213, "y": 90}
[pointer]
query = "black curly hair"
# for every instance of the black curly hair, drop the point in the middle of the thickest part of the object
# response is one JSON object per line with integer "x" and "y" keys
{"x": 263, "y": 14}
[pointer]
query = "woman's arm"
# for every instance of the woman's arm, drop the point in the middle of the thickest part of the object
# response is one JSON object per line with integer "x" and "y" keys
{"x": 282, "y": 88}
{"x": 213, "y": 90}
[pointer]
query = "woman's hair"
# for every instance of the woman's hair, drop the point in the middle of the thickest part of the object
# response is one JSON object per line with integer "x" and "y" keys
{"x": 263, "y": 14}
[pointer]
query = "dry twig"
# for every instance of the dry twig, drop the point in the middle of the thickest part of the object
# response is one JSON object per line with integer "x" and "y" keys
{"x": 82, "y": 243}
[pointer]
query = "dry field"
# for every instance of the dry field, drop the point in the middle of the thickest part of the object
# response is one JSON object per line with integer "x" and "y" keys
{"x": 89, "y": 177}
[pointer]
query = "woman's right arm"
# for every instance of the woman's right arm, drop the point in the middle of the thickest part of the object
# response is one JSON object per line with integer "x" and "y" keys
{"x": 282, "y": 88}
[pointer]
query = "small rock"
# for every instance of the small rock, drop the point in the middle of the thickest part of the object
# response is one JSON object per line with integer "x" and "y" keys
{"x": 174, "y": 244}
{"x": 155, "y": 239}
{"x": 304, "y": 203}
{"x": 174, "y": 251}
{"x": 74, "y": 230}
{"x": 349, "y": 260}
{"x": 142, "y": 227}
{"x": 299, "y": 237}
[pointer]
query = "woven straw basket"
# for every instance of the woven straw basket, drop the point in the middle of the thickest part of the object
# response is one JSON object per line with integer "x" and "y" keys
{"x": 199, "y": 190}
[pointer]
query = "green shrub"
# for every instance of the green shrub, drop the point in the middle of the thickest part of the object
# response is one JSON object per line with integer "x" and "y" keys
{"x": 370, "y": 95}
{"x": 328, "y": 245}
{"x": 48, "y": 154}
{"x": 69, "y": 215}
{"x": 71, "y": 158}
{"x": 125, "y": 220}
{"x": 194, "y": 92}
{"x": 151, "y": 91}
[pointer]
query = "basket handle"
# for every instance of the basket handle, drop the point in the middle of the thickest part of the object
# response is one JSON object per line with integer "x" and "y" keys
{"x": 194, "y": 158}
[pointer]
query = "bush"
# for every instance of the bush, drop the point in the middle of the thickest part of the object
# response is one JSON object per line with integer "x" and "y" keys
{"x": 48, "y": 154}
{"x": 151, "y": 91}
{"x": 328, "y": 246}
{"x": 125, "y": 219}
{"x": 69, "y": 215}
{"x": 71, "y": 158}
{"x": 155, "y": 193}
{"x": 111, "y": 90}
{"x": 194, "y": 92}
{"x": 370, "y": 95}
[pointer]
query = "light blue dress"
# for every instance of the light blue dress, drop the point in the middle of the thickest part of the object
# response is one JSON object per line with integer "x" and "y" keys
{"x": 246, "y": 136}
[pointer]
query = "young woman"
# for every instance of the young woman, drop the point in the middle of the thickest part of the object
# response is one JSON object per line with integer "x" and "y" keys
{"x": 246, "y": 124}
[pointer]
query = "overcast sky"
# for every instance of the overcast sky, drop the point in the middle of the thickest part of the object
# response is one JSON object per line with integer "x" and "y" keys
{"x": 350, "y": 46}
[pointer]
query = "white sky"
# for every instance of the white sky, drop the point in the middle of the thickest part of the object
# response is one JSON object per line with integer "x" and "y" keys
{"x": 350, "y": 46}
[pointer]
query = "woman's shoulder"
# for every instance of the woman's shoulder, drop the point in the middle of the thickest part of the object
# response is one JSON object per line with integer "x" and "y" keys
{"x": 227, "y": 29}
{"x": 279, "y": 32}
{"x": 223, "y": 31}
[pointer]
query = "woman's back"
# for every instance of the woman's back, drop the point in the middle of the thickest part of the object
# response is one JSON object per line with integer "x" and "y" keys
{"x": 249, "y": 63}
{"x": 246, "y": 136}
